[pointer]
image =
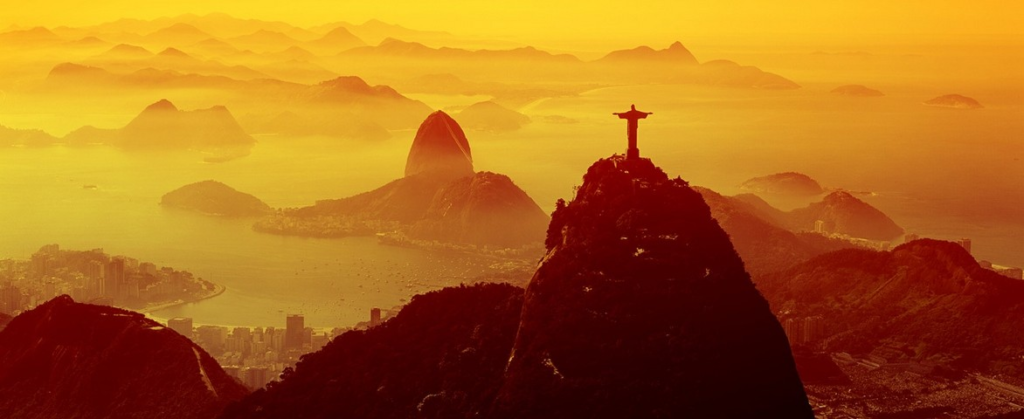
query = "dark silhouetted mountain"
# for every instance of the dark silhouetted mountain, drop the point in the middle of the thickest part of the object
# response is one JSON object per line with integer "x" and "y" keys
{"x": 730, "y": 74}
{"x": 641, "y": 308}
{"x": 441, "y": 357}
{"x": 440, "y": 199}
{"x": 4, "y": 319}
{"x": 490, "y": 116}
{"x": 483, "y": 209}
{"x": 440, "y": 149}
{"x": 928, "y": 299}
{"x": 856, "y": 90}
{"x": 759, "y": 234}
{"x": 674, "y": 54}
{"x": 954, "y": 102}
{"x": 214, "y": 198}
{"x": 25, "y": 137}
{"x": 788, "y": 183}
{"x": 842, "y": 213}
{"x": 69, "y": 360}
{"x": 162, "y": 125}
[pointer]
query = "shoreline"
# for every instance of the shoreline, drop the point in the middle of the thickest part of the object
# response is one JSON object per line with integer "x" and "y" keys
{"x": 218, "y": 289}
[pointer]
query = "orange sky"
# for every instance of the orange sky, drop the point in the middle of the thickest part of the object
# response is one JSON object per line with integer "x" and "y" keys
{"x": 654, "y": 21}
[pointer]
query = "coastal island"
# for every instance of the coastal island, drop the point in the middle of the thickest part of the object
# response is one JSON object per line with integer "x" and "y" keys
{"x": 214, "y": 198}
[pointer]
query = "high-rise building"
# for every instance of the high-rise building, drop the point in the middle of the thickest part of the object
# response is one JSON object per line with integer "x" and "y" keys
{"x": 182, "y": 325}
{"x": 114, "y": 277}
{"x": 819, "y": 227}
{"x": 965, "y": 243}
{"x": 374, "y": 317}
{"x": 295, "y": 327}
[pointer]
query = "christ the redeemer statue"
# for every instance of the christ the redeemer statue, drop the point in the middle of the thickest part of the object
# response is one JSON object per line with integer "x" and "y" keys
{"x": 631, "y": 125}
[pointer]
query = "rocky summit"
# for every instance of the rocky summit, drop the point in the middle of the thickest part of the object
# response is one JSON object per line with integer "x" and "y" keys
{"x": 641, "y": 308}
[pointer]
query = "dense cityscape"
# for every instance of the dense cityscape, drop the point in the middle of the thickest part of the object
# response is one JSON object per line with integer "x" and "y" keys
{"x": 95, "y": 277}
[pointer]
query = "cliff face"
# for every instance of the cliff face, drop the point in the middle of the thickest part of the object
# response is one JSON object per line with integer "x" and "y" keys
{"x": 487, "y": 209}
{"x": 641, "y": 308}
{"x": 441, "y": 357}
{"x": 69, "y": 360}
{"x": 440, "y": 149}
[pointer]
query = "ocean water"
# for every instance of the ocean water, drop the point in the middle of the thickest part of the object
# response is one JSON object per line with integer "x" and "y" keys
{"x": 938, "y": 173}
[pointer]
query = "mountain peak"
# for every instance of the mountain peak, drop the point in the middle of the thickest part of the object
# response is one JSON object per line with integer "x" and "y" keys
{"x": 162, "y": 105}
{"x": 642, "y": 308}
{"x": 68, "y": 359}
{"x": 440, "y": 149}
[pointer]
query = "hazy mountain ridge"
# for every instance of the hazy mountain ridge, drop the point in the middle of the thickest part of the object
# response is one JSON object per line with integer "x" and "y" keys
{"x": 65, "y": 359}
{"x": 620, "y": 335}
{"x": 842, "y": 213}
{"x": 761, "y": 236}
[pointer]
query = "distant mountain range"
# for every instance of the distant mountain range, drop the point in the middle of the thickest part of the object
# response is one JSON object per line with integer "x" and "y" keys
{"x": 162, "y": 126}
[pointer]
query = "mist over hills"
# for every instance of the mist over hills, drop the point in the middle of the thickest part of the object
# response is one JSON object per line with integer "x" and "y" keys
{"x": 761, "y": 236}
{"x": 162, "y": 126}
{"x": 623, "y": 318}
{"x": 440, "y": 199}
{"x": 72, "y": 360}
{"x": 842, "y": 213}
{"x": 490, "y": 116}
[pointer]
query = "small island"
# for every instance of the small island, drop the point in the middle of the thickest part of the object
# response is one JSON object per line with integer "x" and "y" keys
{"x": 786, "y": 184}
{"x": 953, "y": 101}
{"x": 214, "y": 198}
